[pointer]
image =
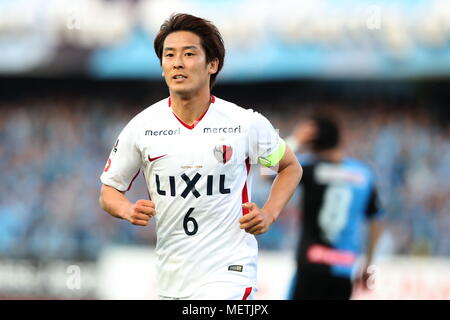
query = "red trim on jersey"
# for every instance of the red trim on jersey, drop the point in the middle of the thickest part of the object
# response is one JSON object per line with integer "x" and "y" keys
{"x": 129, "y": 187}
{"x": 244, "y": 190}
{"x": 191, "y": 126}
{"x": 247, "y": 293}
{"x": 108, "y": 164}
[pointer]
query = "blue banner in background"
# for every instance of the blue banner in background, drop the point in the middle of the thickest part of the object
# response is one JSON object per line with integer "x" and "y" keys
{"x": 264, "y": 40}
{"x": 324, "y": 39}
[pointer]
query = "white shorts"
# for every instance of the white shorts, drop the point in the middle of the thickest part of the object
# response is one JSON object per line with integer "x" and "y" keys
{"x": 219, "y": 291}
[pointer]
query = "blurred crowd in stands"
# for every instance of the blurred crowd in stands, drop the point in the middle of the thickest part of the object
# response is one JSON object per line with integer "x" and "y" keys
{"x": 53, "y": 150}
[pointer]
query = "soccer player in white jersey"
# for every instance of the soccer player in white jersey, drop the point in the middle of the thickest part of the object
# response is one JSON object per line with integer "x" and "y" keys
{"x": 196, "y": 152}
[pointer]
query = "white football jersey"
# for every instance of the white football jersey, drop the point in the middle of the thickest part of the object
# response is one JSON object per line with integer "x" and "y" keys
{"x": 198, "y": 178}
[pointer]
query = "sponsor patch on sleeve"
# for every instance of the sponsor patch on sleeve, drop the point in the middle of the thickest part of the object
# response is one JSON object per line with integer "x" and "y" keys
{"x": 237, "y": 268}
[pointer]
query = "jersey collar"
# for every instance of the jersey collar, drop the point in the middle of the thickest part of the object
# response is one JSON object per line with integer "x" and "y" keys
{"x": 190, "y": 126}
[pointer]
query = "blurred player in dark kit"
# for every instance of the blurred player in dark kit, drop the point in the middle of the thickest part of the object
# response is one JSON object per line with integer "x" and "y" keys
{"x": 338, "y": 197}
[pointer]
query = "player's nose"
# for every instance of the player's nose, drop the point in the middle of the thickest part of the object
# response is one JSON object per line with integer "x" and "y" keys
{"x": 178, "y": 63}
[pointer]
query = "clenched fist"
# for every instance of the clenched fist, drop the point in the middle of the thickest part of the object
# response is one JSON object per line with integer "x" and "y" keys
{"x": 140, "y": 213}
{"x": 256, "y": 221}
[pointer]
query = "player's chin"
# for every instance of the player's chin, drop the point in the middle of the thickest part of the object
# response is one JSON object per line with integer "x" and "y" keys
{"x": 180, "y": 89}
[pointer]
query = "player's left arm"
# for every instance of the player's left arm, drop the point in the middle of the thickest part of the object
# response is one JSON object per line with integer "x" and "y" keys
{"x": 289, "y": 173}
{"x": 374, "y": 231}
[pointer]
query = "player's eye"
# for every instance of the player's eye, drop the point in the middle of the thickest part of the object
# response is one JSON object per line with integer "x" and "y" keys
{"x": 169, "y": 55}
{"x": 190, "y": 54}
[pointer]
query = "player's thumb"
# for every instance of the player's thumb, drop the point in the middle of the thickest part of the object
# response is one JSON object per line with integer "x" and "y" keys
{"x": 248, "y": 205}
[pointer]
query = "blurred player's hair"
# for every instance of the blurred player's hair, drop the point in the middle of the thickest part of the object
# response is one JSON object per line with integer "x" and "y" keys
{"x": 211, "y": 39}
{"x": 328, "y": 136}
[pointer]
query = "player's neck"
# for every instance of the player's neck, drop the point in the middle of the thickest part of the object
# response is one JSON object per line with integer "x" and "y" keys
{"x": 332, "y": 155}
{"x": 190, "y": 108}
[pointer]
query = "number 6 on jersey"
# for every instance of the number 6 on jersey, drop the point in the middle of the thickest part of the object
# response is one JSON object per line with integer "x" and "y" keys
{"x": 189, "y": 219}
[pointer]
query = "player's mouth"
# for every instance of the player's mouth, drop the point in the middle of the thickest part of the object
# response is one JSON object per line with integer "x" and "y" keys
{"x": 179, "y": 77}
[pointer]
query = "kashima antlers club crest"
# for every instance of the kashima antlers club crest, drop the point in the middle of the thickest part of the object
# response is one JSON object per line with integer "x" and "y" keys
{"x": 223, "y": 153}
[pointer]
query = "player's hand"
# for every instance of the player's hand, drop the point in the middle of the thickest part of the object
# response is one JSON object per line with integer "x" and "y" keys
{"x": 364, "y": 279}
{"x": 140, "y": 213}
{"x": 256, "y": 221}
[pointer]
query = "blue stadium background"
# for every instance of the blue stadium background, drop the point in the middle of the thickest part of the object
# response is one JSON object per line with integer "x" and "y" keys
{"x": 72, "y": 75}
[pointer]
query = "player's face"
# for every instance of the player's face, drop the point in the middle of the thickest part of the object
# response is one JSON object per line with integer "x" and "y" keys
{"x": 184, "y": 63}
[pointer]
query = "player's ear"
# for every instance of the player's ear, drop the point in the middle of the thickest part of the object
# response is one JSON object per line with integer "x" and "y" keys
{"x": 213, "y": 66}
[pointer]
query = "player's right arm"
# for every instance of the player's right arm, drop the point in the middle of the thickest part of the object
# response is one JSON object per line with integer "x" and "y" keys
{"x": 116, "y": 204}
{"x": 123, "y": 165}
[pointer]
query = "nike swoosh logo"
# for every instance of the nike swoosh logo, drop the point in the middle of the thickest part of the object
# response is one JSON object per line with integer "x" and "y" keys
{"x": 155, "y": 158}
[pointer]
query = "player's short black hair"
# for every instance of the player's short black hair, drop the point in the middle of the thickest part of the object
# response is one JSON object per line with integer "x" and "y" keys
{"x": 328, "y": 136}
{"x": 210, "y": 36}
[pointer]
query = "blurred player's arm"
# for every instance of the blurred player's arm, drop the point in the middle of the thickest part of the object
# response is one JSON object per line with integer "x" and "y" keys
{"x": 117, "y": 205}
{"x": 258, "y": 220}
{"x": 301, "y": 136}
{"x": 374, "y": 231}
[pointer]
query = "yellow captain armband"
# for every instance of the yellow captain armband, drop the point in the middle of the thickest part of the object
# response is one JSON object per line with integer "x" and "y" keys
{"x": 275, "y": 157}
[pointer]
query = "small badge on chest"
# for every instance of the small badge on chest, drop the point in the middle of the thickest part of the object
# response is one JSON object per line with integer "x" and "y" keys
{"x": 223, "y": 153}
